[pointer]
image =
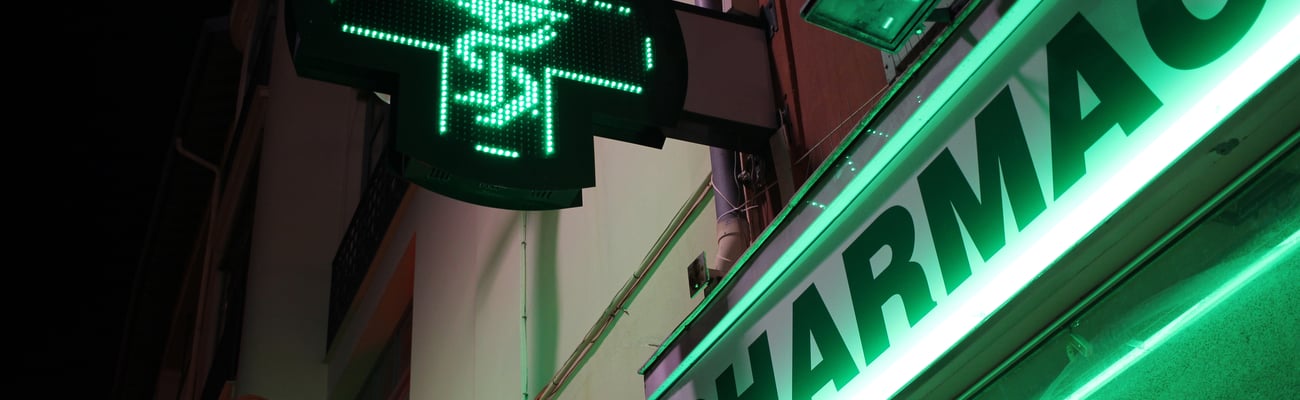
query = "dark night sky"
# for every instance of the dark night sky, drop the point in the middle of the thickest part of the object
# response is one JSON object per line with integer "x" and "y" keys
{"x": 85, "y": 155}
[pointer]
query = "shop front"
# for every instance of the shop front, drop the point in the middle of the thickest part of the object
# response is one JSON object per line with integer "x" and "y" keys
{"x": 1069, "y": 199}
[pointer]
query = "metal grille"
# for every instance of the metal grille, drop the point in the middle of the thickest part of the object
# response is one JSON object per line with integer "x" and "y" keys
{"x": 360, "y": 243}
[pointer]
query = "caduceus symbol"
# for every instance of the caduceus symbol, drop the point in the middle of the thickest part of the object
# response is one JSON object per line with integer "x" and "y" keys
{"x": 500, "y": 99}
{"x": 512, "y": 28}
{"x": 509, "y": 47}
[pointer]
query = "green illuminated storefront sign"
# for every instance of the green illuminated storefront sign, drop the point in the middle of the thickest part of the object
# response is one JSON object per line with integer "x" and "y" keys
{"x": 1060, "y": 115}
{"x": 497, "y": 100}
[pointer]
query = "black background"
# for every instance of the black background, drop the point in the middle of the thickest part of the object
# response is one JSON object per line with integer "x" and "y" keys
{"x": 96, "y": 87}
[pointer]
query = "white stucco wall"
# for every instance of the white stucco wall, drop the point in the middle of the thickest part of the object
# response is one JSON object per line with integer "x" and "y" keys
{"x": 466, "y": 308}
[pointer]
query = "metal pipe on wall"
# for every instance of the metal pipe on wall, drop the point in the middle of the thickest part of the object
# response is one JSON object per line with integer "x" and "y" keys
{"x": 732, "y": 230}
{"x": 619, "y": 304}
{"x": 523, "y": 306}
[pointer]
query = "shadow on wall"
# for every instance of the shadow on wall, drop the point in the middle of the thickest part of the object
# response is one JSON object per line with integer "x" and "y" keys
{"x": 488, "y": 271}
{"x": 543, "y": 289}
{"x": 545, "y": 311}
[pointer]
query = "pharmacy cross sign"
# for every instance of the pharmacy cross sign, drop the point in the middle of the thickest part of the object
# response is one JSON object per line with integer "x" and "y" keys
{"x": 492, "y": 96}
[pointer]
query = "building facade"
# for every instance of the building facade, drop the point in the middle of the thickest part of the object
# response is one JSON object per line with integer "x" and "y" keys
{"x": 1030, "y": 199}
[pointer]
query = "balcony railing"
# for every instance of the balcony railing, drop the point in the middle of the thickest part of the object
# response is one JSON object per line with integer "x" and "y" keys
{"x": 383, "y": 194}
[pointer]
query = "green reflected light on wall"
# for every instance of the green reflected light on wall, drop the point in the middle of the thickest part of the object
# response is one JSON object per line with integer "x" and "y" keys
{"x": 884, "y": 24}
{"x": 1283, "y": 251}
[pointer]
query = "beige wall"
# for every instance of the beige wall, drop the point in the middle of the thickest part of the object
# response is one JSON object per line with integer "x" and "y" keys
{"x": 658, "y": 308}
{"x": 467, "y": 281}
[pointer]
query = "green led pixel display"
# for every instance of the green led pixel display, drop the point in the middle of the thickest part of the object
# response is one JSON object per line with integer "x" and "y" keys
{"x": 502, "y": 52}
{"x": 501, "y": 93}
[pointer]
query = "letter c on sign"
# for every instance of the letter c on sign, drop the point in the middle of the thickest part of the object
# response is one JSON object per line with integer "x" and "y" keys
{"x": 1184, "y": 41}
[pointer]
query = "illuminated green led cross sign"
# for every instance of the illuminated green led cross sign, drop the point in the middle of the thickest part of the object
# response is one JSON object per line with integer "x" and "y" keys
{"x": 494, "y": 98}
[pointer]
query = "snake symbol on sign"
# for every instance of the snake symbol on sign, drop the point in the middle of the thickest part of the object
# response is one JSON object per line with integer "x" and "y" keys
{"x": 502, "y": 48}
{"x": 500, "y": 16}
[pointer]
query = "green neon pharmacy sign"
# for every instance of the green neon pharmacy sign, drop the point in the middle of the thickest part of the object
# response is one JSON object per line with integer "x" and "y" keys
{"x": 1061, "y": 113}
{"x": 501, "y": 93}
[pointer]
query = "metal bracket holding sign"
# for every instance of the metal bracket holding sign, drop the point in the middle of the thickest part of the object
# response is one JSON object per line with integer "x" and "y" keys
{"x": 769, "y": 16}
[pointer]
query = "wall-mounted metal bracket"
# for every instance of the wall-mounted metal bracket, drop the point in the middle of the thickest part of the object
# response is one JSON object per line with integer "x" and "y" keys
{"x": 729, "y": 96}
{"x": 769, "y": 15}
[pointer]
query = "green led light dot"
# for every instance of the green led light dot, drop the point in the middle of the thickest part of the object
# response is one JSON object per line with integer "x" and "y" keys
{"x": 649, "y": 55}
{"x": 496, "y": 151}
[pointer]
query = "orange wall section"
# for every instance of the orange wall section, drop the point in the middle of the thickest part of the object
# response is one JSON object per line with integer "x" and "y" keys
{"x": 828, "y": 83}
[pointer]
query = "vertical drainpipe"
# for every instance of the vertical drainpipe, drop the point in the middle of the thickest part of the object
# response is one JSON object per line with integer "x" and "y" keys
{"x": 523, "y": 305}
{"x": 732, "y": 229}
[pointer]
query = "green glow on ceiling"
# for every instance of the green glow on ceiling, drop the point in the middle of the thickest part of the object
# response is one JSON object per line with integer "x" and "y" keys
{"x": 1283, "y": 251}
{"x": 499, "y": 60}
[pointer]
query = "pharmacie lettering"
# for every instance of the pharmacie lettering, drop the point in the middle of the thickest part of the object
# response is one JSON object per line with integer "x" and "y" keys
{"x": 1003, "y": 161}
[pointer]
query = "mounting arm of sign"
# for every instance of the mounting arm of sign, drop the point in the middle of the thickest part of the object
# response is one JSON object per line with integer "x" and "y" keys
{"x": 730, "y": 102}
